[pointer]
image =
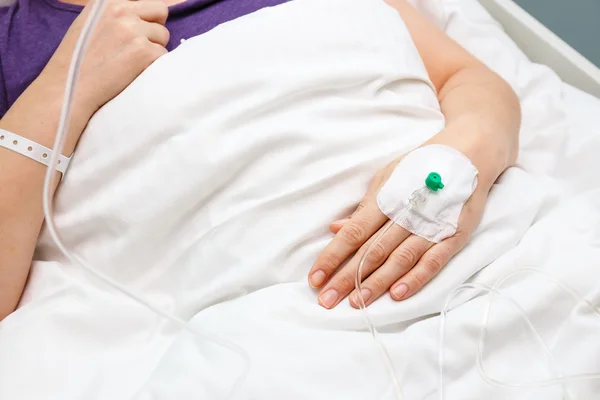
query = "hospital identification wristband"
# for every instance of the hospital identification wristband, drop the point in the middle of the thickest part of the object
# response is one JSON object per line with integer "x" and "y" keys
{"x": 31, "y": 149}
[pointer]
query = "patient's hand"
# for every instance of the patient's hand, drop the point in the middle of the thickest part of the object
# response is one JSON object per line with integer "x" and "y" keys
{"x": 483, "y": 116}
{"x": 402, "y": 262}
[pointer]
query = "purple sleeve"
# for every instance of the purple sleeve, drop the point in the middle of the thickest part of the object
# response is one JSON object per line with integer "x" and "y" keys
{"x": 3, "y": 95}
{"x": 3, "y": 99}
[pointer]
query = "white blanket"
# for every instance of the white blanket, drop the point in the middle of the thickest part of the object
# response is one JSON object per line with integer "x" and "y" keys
{"x": 207, "y": 186}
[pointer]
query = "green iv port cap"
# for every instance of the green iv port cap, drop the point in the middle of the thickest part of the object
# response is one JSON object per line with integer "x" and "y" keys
{"x": 434, "y": 181}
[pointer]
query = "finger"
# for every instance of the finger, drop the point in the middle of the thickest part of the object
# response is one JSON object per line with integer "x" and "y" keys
{"x": 335, "y": 226}
{"x": 399, "y": 262}
{"x": 349, "y": 239}
{"x": 151, "y": 10}
{"x": 426, "y": 268}
{"x": 155, "y": 33}
{"x": 360, "y": 206}
{"x": 343, "y": 283}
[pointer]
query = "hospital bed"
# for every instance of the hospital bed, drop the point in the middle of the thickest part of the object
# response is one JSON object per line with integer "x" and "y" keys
{"x": 542, "y": 46}
{"x": 86, "y": 346}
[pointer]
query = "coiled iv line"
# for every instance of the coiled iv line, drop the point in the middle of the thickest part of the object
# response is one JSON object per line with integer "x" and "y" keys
{"x": 63, "y": 128}
{"x": 416, "y": 198}
{"x": 495, "y": 290}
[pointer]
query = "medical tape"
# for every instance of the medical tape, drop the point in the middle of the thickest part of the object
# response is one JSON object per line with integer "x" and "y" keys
{"x": 437, "y": 219}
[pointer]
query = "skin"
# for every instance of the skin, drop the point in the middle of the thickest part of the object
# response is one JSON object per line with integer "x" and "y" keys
{"x": 481, "y": 110}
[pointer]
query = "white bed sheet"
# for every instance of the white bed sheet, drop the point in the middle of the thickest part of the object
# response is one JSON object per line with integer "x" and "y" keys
{"x": 100, "y": 346}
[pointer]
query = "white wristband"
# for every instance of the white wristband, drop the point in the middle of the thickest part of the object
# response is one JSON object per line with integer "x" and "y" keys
{"x": 31, "y": 149}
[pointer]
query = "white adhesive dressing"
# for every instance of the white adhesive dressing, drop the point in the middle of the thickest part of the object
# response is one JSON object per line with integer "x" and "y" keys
{"x": 437, "y": 218}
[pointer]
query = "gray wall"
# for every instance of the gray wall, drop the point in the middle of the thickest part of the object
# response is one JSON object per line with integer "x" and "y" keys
{"x": 577, "y": 22}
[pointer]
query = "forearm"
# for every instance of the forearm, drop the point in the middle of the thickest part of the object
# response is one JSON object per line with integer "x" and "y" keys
{"x": 483, "y": 119}
{"x": 35, "y": 116}
{"x": 482, "y": 112}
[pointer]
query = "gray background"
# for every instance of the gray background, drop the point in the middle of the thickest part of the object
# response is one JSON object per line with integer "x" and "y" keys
{"x": 577, "y": 22}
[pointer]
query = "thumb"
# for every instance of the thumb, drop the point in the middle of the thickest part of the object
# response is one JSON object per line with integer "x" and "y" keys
{"x": 335, "y": 226}
{"x": 371, "y": 196}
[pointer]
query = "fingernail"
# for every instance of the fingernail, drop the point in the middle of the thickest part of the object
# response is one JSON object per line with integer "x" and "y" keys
{"x": 329, "y": 298}
{"x": 317, "y": 279}
{"x": 366, "y": 295}
{"x": 400, "y": 290}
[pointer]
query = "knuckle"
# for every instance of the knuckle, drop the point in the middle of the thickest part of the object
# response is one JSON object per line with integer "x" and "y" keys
{"x": 157, "y": 51}
{"x": 379, "y": 283}
{"x": 157, "y": 9}
{"x": 146, "y": 52}
{"x": 344, "y": 283}
{"x": 434, "y": 263}
{"x": 162, "y": 11}
{"x": 404, "y": 256}
{"x": 377, "y": 254}
{"x": 353, "y": 234}
{"x": 359, "y": 208}
{"x": 117, "y": 9}
{"x": 126, "y": 31}
{"x": 328, "y": 263}
{"x": 140, "y": 46}
{"x": 166, "y": 35}
{"x": 420, "y": 280}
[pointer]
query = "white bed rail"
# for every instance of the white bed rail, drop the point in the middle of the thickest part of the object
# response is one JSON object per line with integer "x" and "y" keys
{"x": 542, "y": 46}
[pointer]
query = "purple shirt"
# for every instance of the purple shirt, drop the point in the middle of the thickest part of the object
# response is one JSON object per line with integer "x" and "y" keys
{"x": 31, "y": 30}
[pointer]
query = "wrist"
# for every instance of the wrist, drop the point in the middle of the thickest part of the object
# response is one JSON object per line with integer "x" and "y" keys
{"x": 53, "y": 81}
{"x": 490, "y": 152}
{"x": 36, "y": 114}
{"x": 52, "y": 85}
{"x": 491, "y": 158}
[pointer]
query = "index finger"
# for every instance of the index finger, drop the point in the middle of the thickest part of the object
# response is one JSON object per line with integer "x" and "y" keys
{"x": 348, "y": 240}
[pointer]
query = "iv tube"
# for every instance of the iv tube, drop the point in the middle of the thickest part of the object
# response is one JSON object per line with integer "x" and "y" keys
{"x": 565, "y": 288}
{"x": 385, "y": 356}
{"x": 95, "y": 13}
{"x": 495, "y": 289}
{"x": 489, "y": 289}
{"x": 416, "y": 198}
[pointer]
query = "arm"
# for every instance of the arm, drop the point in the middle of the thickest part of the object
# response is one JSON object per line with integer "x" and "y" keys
{"x": 482, "y": 112}
{"x": 482, "y": 121}
{"x": 35, "y": 116}
{"x": 129, "y": 37}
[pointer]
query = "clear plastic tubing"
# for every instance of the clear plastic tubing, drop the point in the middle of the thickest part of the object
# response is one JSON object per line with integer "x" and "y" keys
{"x": 416, "y": 198}
{"x": 495, "y": 290}
{"x": 94, "y": 16}
{"x": 489, "y": 289}
{"x": 580, "y": 299}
